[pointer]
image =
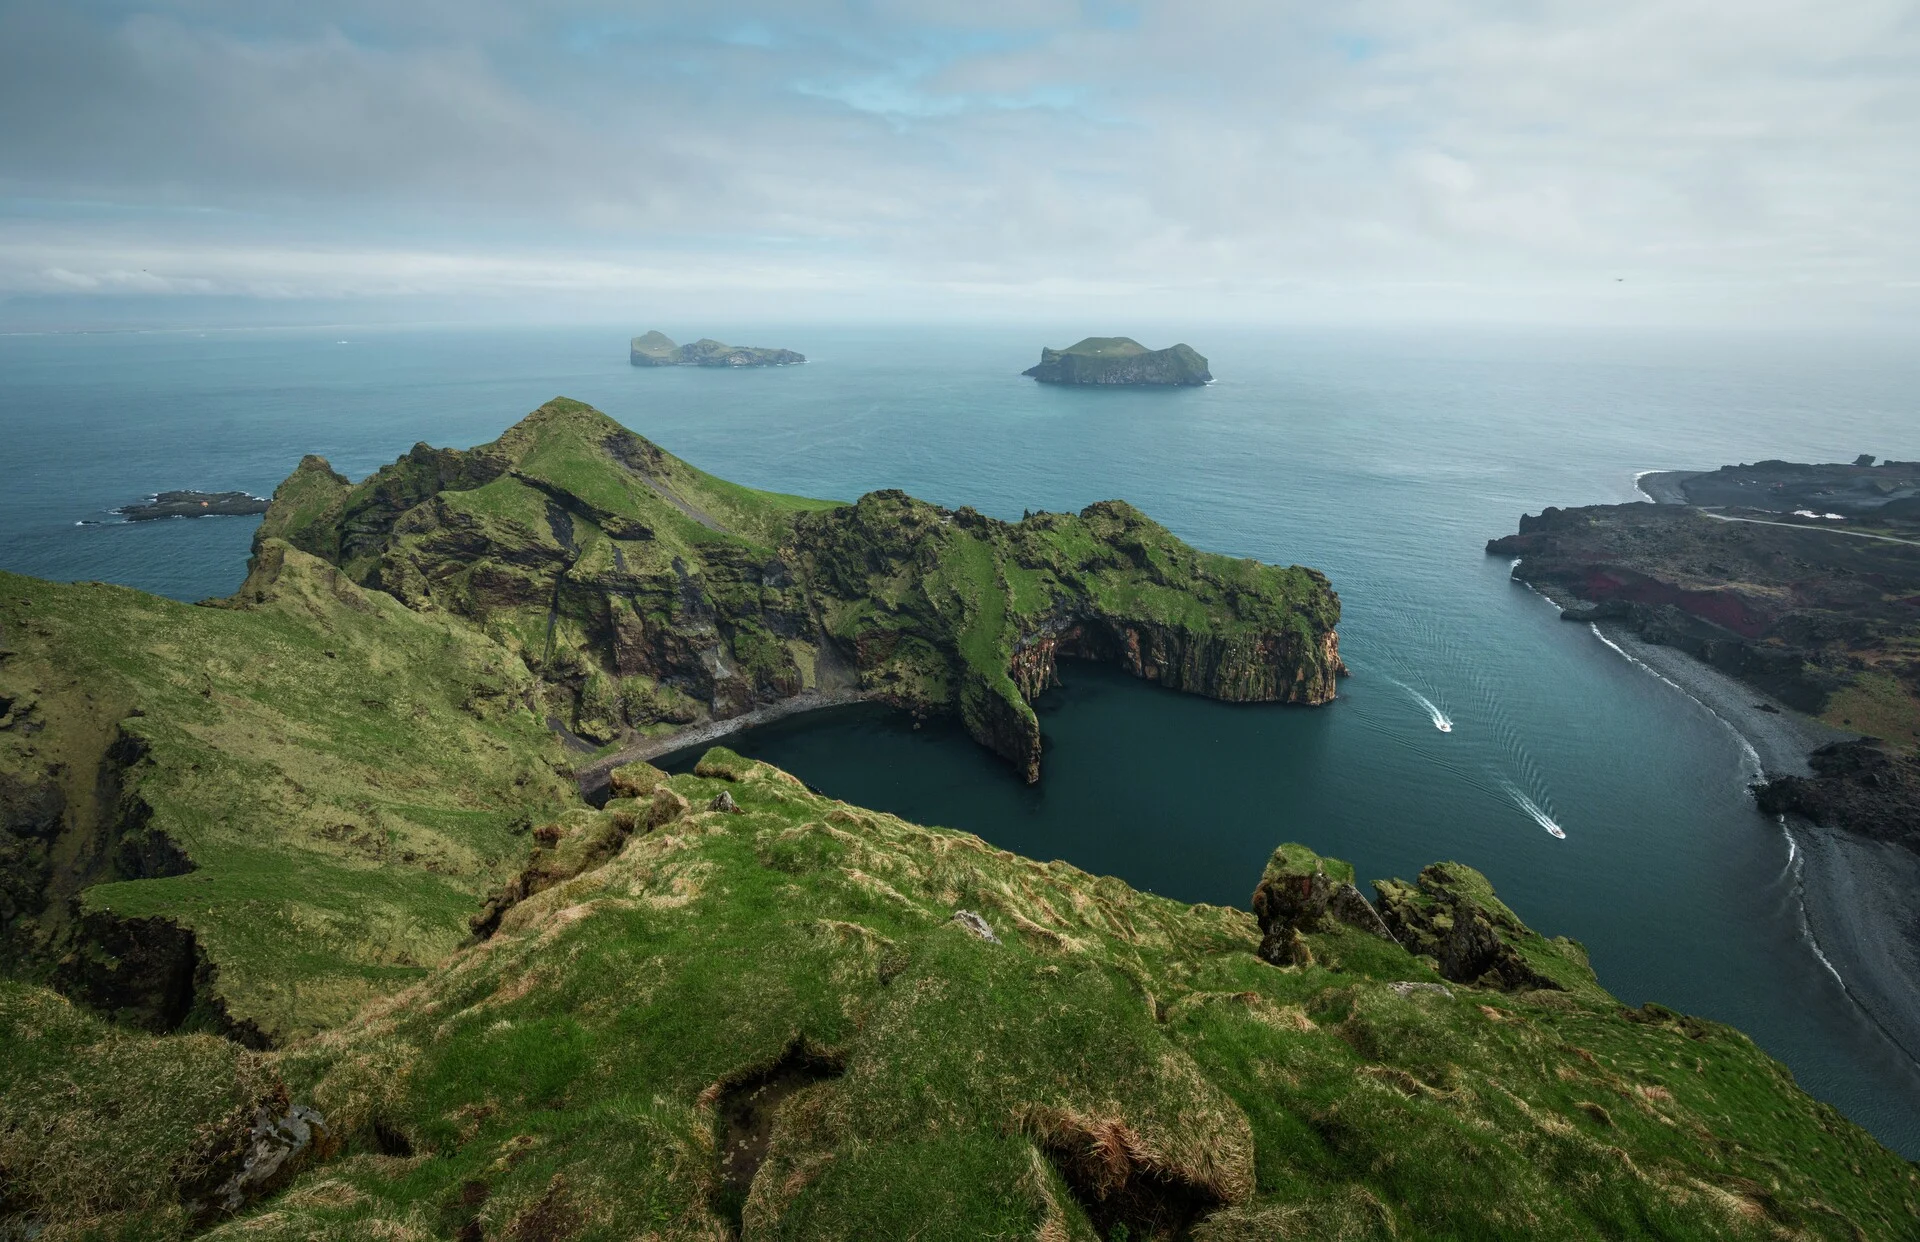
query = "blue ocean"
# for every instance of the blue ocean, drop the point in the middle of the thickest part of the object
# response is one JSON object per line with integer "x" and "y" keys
{"x": 1385, "y": 458}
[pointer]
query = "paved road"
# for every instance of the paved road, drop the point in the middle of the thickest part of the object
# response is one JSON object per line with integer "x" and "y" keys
{"x": 1857, "y": 534}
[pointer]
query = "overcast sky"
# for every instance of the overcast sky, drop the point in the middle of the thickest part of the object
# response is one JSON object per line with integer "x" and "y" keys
{"x": 1629, "y": 161}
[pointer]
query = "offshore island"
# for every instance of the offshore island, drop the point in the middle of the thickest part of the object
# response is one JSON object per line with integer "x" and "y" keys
{"x": 193, "y": 504}
{"x": 656, "y": 349}
{"x": 1114, "y": 360}
{"x": 310, "y": 930}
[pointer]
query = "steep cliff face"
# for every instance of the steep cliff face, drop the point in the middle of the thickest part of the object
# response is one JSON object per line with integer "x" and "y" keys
{"x": 1120, "y": 360}
{"x": 647, "y": 594}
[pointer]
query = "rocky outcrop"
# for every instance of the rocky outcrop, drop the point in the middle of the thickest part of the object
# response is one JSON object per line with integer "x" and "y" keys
{"x": 193, "y": 504}
{"x": 1113, "y": 360}
{"x": 282, "y": 1139}
{"x": 1864, "y": 787}
{"x": 1301, "y": 893}
{"x": 1452, "y": 918}
{"x": 655, "y": 349}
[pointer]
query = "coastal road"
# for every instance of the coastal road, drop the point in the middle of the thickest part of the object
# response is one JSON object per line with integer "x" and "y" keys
{"x": 1856, "y": 534}
{"x": 592, "y": 777}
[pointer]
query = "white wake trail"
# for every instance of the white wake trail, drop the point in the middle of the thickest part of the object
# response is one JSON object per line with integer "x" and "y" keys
{"x": 1532, "y": 808}
{"x": 1441, "y": 720}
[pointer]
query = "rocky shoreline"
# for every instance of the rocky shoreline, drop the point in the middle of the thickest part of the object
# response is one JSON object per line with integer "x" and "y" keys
{"x": 1770, "y": 625}
{"x": 1779, "y": 737}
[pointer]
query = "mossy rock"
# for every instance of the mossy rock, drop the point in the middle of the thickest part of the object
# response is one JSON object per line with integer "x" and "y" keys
{"x": 634, "y": 780}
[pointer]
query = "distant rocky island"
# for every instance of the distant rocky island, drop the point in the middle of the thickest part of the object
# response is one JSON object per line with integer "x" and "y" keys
{"x": 193, "y": 504}
{"x": 1121, "y": 360}
{"x": 656, "y": 349}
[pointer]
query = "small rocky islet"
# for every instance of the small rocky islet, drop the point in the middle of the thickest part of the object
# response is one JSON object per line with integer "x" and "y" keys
{"x": 1120, "y": 360}
{"x": 190, "y": 504}
{"x": 310, "y": 932}
{"x": 656, "y": 349}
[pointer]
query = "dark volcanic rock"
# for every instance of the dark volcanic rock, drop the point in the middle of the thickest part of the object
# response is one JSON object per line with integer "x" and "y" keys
{"x": 194, "y": 504}
{"x": 1862, "y": 786}
{"x": 1859, "y": 489}
{"x": 1788, "y": 608}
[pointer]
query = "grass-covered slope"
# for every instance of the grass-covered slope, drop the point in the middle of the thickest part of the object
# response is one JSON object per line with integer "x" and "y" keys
{"x": 765, "y": 1014}
{"x": 262, "y": 814}
{"x": 648, "y": 595}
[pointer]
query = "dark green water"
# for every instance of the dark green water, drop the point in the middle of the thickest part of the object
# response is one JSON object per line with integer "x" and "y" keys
{"x": 1386, "y": 459}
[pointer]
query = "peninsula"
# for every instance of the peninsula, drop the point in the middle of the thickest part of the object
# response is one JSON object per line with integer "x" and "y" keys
{"x": 656, "y": 349}
{"x": 1103, "y": 360}
{"x": 1803, "y": 581}
{"x": 308, "y": 931}
{"x": 650, "y": 596}
{"x": 193, "y": 504}
{"x": 1785, "y": 597}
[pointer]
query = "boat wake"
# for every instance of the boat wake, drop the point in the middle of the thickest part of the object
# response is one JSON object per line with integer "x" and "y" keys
{"x": 1532, "y": 808}
{"x": 1441, "y": 720}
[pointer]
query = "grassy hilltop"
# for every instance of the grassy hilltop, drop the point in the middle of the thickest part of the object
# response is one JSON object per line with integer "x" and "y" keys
{"x": 735, "y": 1008}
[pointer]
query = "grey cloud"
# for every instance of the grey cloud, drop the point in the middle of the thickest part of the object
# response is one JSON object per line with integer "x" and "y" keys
{"x": 1519, "y": 155}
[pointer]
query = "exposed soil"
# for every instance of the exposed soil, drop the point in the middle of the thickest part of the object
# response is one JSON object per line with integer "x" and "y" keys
{"x": 748, "y": 1111}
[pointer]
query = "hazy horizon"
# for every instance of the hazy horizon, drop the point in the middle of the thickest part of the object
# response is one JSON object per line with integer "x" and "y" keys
{"x": 205, "y": 163}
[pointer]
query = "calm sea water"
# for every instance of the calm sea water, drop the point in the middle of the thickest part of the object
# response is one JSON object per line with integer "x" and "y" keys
{"x": 1386, "y": 459}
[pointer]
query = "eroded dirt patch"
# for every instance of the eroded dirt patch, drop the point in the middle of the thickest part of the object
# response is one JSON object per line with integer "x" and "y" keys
{"x": 1124, "y": 1190}
{"x": 748, "y": 1110}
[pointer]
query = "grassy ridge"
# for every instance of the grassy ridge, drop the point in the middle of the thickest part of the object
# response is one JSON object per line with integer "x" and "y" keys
{"x": 1115, "y": 1062}
{"x": 318, "y": 782}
